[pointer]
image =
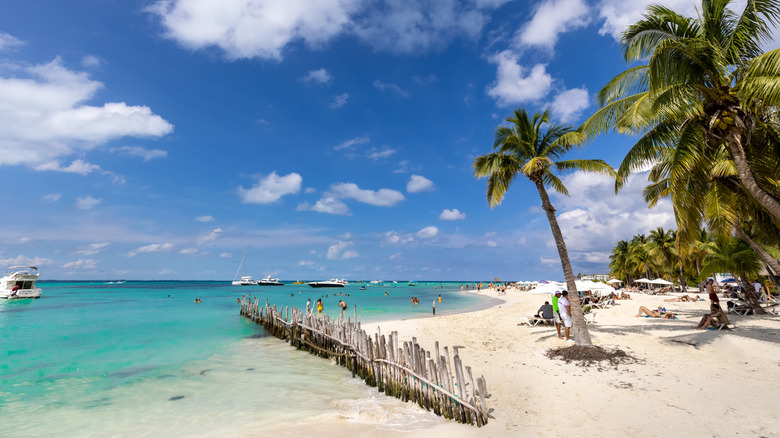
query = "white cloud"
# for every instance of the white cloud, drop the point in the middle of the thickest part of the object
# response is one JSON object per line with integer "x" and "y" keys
{"x": 271, "y": 189}
{"x": 376, "y": 154}
{"x": 491, "y": 244}
{"x": 205, "y": 219}
{"x": 42, "y": 118}
{"x": 154, "y": 247}
{"x": 86, "y": 202}
{"x": 327, "y": 204}
{"x": 349, "y": 254}
{"x": 225, "y": 255}
{"x": 77, "y": 166}
{"x": 143, "y": 153}
{"x": 188, "y": 251}
{"x": 349, "y": 143}
{"x": 515, "y": 84}
{"x": 568, "y": 105}
{"x": 414, "y": 26}
{"x": 418, "y": 184}
{"x": 593, "y": 218}
{"x": 452, "y": 215}
{"x": 428, "y": 232}
{"x": 252, "y": 28}
{"x": 21, "y": 260}
{"x": 92, "y": 248}
{"x": 383, "y": 86}
{"x": 619, "y": 14}
{"x": 212, "y": 236}
{"x": 339, "y": 101}
{"x": 395, "y": 238}
{"x": 81, "y": 264}
{"x": 550, "y": 18}
{"x": 51, "y": 197}
{"x": 521, "y": 241}
{"x": 335, "y": 251}
{"x": 549, "y": 261}
{"x": 320, "y": 76}
{"x": 394, "y": 256}
{"x": 8, "y": 41}
{"x": 91, "y": 61}
{"x": 381, "y": 197}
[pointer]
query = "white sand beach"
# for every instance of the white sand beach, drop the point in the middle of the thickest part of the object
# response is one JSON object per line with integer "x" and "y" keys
{"x": 688, "y": 382}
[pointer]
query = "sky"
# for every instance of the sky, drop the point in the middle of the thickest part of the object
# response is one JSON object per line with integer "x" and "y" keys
{"x": 163, "y": 139}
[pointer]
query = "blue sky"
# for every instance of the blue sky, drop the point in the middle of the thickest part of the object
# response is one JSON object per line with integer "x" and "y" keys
{"x": 159, "y": 139}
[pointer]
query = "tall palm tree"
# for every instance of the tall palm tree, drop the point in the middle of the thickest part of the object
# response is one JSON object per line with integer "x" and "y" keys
{"x": 523, "y": 148}
{"x": 662, "y": 243}
{"x": 619, "y": 262}
{"x": 705, "y": 84}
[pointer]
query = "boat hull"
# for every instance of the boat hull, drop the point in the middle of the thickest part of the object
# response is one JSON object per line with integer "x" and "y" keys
{"x": 270, "y": 283}
{"x": 325, "y": 284}
{"x": 21, "y": 293}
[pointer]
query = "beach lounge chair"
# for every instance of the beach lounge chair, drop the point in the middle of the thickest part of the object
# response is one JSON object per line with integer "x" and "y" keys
{"x": 529, "y": 322}
{"x": 590, "y": 318}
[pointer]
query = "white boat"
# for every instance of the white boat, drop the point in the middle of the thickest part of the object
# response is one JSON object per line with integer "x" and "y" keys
{"x": 268, "y": 281}
{"x": 19, "y": 282}
{"x": 245, "y": 280}
{"x": 333, "y": 282}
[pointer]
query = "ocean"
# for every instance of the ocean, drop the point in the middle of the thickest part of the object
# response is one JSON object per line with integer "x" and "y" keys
{"x": 143, "y": 359}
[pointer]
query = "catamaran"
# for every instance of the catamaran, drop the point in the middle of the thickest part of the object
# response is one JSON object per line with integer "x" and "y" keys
{"x": 245, "y": 280}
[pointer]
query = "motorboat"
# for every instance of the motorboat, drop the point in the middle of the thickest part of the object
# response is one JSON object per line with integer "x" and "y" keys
{"x": 268, "y": 281}
{"x": 19, "y": 282}
{"x": 245, "y": 280}
{"x": 333, "y": 282}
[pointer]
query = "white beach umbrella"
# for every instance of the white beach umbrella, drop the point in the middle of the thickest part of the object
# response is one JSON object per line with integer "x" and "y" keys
{"x": 661, "y": 281}
{"x": 643, "y": 280}
{"x": 583, "y": 285}
{"x": 549, "y": 288}
{"x": 613, "y": 281}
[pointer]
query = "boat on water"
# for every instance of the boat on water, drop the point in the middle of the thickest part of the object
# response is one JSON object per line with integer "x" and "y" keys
{"x": 245, "y": 280}
{"x": 333, "y": 282}
{"x": 268, "y": 281}
{"x": 19, "y": 282}
{"x": 299, "y": 282}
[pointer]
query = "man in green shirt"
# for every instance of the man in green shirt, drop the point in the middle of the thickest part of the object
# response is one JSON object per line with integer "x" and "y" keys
{"x": 556, "y": 316}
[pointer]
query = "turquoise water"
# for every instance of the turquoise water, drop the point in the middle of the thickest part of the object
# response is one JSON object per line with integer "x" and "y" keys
{"x": 142, "y": 359}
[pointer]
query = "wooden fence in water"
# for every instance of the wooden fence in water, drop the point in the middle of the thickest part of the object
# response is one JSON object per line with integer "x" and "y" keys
{"x": 403, "y": 370}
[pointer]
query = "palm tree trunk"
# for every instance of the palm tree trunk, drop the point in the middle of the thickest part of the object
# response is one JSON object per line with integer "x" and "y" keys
{"x": 766, "y": 200}
{"x": 581, "y": 334}
{"x": 773, "y": 277}
{"x": 765, "y": 257}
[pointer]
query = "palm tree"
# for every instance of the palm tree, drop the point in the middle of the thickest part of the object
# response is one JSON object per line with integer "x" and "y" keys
{"x": 524, "y": 149}
{"x": 662, "y": 243}
{"x": 736, "y": 256}
{"x": 619, "y": 262}
{"x": 706, "y": 85}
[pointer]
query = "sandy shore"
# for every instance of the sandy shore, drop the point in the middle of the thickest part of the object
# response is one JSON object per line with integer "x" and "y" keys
{"x": 688, "y": 382}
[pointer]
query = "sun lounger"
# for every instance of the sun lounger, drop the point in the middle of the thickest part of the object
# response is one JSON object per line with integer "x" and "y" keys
{"x": 590, "y": 318}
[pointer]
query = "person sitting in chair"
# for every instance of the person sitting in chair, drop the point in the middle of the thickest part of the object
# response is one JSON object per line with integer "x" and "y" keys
{"x": 545, "y": 312}
{"x": 716, "y": 316}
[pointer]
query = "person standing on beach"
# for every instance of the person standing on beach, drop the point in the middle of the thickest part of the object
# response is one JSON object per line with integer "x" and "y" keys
{"x": 556, "y": 313}
{"x": 565, "y": 309}
{"x": 712, "y": 292}
{"x": 308, "y": 306}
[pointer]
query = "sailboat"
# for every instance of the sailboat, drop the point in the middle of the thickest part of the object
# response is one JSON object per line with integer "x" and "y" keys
{"x": 245, "y": 280}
